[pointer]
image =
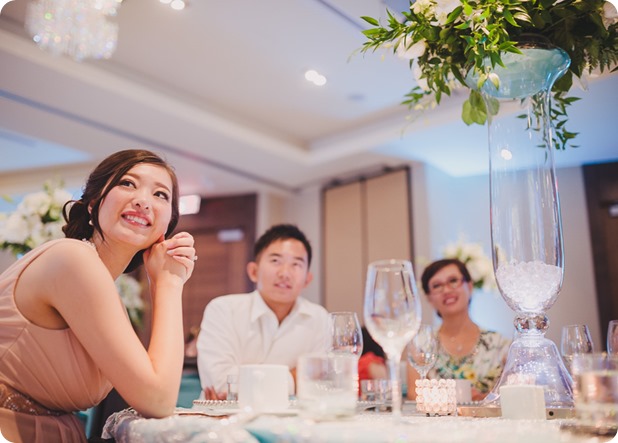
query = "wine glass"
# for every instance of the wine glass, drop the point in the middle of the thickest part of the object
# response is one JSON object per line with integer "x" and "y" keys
{"x": 422, "y": 351}
{"x": 347, "y": 337}
{"x": 612, "y": 337}
{"x": 575, "y": 340}
{"x": 392, "y": 315}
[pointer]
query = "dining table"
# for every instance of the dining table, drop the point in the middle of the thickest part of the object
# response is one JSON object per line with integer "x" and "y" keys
{"x": 229, "y": 424}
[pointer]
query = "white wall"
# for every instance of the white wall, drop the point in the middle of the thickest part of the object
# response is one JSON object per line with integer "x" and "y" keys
{"x": 305, "y": 210}
{"x": 446, "y": 207}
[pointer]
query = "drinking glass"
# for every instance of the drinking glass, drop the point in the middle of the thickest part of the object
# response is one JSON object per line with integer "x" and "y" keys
{"x": 575, "y": 340}
{"x": 422, "y": 351}
{"x": 595, "y": 385}
{"x": 347, "y": 337}
{"x": 612, "y": 337}
{"x": 392, "y": 315}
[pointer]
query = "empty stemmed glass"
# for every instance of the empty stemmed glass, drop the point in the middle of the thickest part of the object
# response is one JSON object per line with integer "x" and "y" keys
{"x": 392, "y": 315}
{"x": 612, "y": 337}
{"x": 575, "y": 339}
{"x": 346, "y": 334}
{"x": 422, "y": 351}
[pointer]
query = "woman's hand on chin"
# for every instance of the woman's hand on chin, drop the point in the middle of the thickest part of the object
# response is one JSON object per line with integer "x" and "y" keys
{"x": 174, "y": 258}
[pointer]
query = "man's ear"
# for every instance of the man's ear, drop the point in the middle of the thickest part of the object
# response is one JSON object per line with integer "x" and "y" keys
{"x": 308, "y": 279}
{"x": 252, "y": 271}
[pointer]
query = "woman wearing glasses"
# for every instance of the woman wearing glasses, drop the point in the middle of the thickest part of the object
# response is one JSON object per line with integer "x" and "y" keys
{"x": 465, "y": 350}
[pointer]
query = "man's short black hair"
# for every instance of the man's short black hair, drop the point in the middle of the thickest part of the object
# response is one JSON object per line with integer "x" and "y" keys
{"x": 281, "y": 232}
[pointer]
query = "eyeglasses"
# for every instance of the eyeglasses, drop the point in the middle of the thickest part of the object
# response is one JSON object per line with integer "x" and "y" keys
{"x": 451, "y": 283}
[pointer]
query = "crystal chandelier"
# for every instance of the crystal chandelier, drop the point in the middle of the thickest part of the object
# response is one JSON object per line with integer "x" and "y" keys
{"x": 78, "y": 28}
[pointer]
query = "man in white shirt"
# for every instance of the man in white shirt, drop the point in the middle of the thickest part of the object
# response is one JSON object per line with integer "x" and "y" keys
{"x": 272, "y": 324}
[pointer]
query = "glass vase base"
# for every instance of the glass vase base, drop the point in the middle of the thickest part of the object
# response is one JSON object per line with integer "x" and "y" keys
{"x": 534, "y": 359}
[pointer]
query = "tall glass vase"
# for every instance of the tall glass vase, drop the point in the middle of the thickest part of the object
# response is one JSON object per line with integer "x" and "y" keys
{"x": 526, "y": 226}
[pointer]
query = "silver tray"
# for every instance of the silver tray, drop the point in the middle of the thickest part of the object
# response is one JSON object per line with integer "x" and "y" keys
{"x": 494, "y": 411}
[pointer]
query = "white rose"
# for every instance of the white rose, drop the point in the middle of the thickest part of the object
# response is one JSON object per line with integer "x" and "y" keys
{"x": 443, "y": 8}
{"x": 54, "y": 230}
{"x": 422, "y": 7}
{"x": 475, "y": 250}
{"x": 129, "y": 290}
{"x": 16, "y": 229}
{"x": 60, "y": 197}
{"x": 38, "y": 234}
{"x": 417, "y": 72}
{"x": 475, "y": 272}
{"x": 450, "y": 251}
{"x": 37, "y": 203}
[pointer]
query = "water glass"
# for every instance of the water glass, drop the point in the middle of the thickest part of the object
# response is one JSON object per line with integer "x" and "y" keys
{"x": 392, "y": 310}
{"x": 575, "y": 340}
{"x": 612, "y": 337}
{"x": 595, "y": 390}
{"x": 346, "y": 333}
{"x": 422, "y": 350}
{"x": 327, "y": 385}
{"x": 263, "y": 387}
{"x": 378, "y": 391}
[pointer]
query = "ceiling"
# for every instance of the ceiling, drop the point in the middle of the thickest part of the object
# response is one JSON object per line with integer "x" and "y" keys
{"x": 219, "y": 89}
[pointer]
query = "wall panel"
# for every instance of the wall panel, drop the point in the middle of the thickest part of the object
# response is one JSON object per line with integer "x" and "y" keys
{"x": 364, "y": 220}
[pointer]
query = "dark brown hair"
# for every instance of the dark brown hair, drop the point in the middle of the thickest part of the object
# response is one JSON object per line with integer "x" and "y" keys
{"x": 434, "y": 267}
{"x": 101, "y": 180}
{"x": 281, "y": 232}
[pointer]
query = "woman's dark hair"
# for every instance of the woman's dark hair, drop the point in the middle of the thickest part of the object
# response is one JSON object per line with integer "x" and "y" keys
{"x": 81, "y": 223}
{"x": 436, "y": 266}
{"x": 281, "y": 232}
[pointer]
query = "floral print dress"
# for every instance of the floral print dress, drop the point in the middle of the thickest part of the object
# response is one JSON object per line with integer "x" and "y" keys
{"x": 482, "y": 366}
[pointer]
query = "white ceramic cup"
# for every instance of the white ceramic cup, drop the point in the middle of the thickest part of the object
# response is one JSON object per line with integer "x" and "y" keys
{"x": 263, "y": 388}
{"x": 327, "y": 385}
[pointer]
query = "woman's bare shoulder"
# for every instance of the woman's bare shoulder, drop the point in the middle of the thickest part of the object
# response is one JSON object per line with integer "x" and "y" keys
{"x": 70, "y": 246}
{"x": 67, "y": 256}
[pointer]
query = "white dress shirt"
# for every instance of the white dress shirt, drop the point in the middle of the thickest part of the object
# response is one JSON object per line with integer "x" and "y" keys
{"x": 241, "y": 329}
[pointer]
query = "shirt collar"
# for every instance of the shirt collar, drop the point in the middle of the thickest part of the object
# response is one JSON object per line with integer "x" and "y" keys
{"x": 259, "y": 307}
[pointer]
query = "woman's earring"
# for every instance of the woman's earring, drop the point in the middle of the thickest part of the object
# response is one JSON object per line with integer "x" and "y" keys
{"x": 90, "y": 222}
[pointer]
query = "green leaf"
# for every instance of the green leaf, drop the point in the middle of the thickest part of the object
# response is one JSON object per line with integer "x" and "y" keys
{"x": 509, "y": 17}
{"x": 454, "y": 15}
{"x": 474, "y": 109}
{"x": 371, "y": 20}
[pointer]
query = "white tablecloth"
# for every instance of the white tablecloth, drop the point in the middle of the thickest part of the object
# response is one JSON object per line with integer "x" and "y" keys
{"x": 369, "y": 427}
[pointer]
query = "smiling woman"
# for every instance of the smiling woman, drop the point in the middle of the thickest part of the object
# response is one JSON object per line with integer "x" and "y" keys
{"x": 465, "y": 350}
{"x": 61, "y": 313}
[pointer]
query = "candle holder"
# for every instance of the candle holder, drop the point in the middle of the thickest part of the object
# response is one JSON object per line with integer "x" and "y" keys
{"x": 436, "y": 397}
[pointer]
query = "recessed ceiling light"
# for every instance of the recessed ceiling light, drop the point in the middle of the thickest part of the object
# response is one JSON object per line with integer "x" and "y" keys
{"x": 178, "y": 5}
{"x": 315, "y": 77}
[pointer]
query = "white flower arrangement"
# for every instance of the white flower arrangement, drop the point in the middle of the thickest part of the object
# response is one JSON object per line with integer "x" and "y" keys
{"x": 130, "y": 293}
{"x": 37, "y": 219}
{"x": 479, "y": 265}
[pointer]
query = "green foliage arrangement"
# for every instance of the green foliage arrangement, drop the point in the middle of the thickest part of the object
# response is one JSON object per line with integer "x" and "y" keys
{"x": 446, "y": 39}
